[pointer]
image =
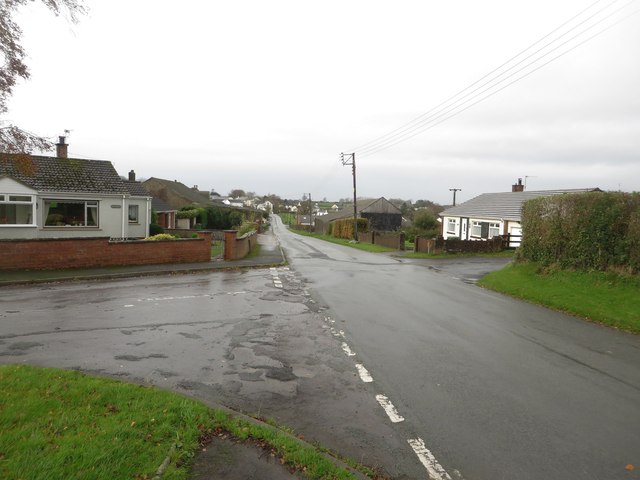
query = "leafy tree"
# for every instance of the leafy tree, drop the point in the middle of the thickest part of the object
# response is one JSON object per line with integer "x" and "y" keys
{"x": 236, "y": 192}
{"x": 425, "y": 220}
{"x": 12, "y": 138}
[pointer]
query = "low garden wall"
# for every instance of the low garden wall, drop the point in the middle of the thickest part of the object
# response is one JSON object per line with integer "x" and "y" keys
{"x": 236, "y": 247}
{"x": 64, "y": 253}
{"x": 439, "y": 245}
{"x": 393, "y": 240}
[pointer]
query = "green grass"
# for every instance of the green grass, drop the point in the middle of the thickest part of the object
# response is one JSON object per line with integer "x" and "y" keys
{"x": 217, "y": 248}
{"x": 603, "y": 297}
{"x": 288, "y": 218}
{"x": 65, "y": 424}
{"x": 367, "y": 247}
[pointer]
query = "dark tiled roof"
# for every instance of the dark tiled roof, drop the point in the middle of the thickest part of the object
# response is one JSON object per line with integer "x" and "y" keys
{"x": 136, "y": 189}
{"x": 51, "y": 174}
{"x": 189, "y": 194}
{"x": 160, "y": 205}
{"x": 503, "y": 205}
{"x": 361, "y": 205}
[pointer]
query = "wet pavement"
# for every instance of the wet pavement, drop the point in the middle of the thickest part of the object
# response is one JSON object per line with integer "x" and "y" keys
{"x": 252, "y": 339}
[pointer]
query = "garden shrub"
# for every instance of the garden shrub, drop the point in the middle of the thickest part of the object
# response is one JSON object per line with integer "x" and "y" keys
{"x": 161, "y": 236}
{"x": 155, "y": 229}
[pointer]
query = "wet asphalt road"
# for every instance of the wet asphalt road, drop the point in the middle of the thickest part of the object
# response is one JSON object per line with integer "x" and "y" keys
{"x": 253, "y": 340}
{"x": 496, "y": 388}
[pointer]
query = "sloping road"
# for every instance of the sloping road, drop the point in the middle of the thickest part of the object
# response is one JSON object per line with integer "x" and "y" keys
{"x": 484, "y": 387}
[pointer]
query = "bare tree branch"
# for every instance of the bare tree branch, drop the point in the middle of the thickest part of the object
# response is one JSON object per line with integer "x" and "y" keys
{"x": 13, "y": 67}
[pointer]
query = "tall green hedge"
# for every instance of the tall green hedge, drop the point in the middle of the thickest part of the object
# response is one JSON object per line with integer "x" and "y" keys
{"x": 595, "y": 230}
{"x": 344, "y": 228}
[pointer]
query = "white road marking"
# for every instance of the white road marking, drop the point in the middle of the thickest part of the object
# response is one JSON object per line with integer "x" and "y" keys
{"x": 127, "y": 306}
{"x": 336, "y": 333}
{"x": 365, "y": 376}
{"x": 435, "y": 470}
{"x": 184, "y": 297}
{"x": 347, "y": 350}
{"x": 392, "y": 412}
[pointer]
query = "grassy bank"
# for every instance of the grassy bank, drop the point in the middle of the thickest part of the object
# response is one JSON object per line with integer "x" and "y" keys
{"x": 65, "y": 424}
{"x": 367, "y": 247}
{"x": 606, "y": 298}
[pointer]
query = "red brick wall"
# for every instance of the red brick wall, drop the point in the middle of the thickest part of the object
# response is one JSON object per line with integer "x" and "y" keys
{"x": 236, "y": 248}
{"x": 56, "y": 253}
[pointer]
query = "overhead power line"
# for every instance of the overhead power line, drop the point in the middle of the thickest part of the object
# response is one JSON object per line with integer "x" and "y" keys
{"x": 470, "y": 96}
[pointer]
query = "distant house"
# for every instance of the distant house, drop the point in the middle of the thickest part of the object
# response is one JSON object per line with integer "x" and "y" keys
{"x": 166, "y": 214}
{"x": 174, "y": 194}
{"x": 265, "y": 206}
{"x": 381, "y": 213}
{"x": 492, "y": 214}
{"x": 60, "y": 197}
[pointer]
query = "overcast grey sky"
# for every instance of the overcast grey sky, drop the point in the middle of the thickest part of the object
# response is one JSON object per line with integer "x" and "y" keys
{"x": 264, "y": 96}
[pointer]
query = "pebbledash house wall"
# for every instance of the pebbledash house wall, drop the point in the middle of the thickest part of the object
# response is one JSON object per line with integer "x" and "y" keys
{"x": 64, "y": 253}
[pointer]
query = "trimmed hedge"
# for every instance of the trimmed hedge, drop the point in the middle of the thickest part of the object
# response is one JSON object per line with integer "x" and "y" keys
{"x": 590, "y": 231}
{"x": 344, "y": 228}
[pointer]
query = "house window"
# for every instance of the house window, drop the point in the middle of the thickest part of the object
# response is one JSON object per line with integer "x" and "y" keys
{"x": 452, "y": 226}
{"x": 494, "y": 230}
{"x": 133, "y": 214}
{"x": 17, "y": 209}
{"x": 71, "y": 213}
{"x": 485, "y": 229}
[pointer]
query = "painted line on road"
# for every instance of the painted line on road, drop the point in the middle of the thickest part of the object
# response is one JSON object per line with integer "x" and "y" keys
{"x": 365, "y": 376}
{"x": 392, "y": 412}
{"x": 347, "y": 350}
{"x": 435, "y": 470}
{"x": 185, "y": 297}
{"x": 336, "y": 333}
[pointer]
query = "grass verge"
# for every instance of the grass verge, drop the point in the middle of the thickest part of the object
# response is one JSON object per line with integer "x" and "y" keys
{"x": 65, "y": 424}
{"x": 367, "y": 247}
{"x": 603, "y": 297}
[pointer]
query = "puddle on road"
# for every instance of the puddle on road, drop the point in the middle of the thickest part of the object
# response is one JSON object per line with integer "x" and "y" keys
{"x": 135, "y": 358}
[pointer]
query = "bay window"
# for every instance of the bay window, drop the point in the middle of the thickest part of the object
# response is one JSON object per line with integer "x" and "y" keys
{"x": 17, "y": 210}
{"x": 70, "y": 213}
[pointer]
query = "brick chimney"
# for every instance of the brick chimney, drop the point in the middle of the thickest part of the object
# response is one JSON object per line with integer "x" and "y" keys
{"x": 518, "y": 187}
{"x": 132, "y": 176}
{"x": 61, "y": 148}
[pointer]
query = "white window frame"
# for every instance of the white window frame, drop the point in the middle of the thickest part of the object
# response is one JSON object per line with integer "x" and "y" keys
{"x": 495, "y": 227}
{"x": 19, "y": 199}
{"x": 135, "y": 208}
{"x": 454, "y": 222}
{"x": 88, "y": 205}
{"x": 476, "y": 229}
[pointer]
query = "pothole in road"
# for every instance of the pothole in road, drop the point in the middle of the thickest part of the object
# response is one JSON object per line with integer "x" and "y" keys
{"x": 283, "y": 374}
{"x": 135, "y": 358}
